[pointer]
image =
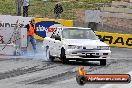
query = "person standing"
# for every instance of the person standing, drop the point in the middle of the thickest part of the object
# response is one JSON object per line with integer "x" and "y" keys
{"x": 31, "y": 30}
{"x": 18, "y": 7}
{"x": 25, "y": 8}
{"x": 58, "y": 10}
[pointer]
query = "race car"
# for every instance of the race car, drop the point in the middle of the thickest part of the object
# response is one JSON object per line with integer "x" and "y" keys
{"x": 76, "y": 43}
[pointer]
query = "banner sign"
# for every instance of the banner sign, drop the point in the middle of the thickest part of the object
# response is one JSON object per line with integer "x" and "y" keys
{"x": 115, "y": 39}
{"x": 7, "y": 26}
{"x": 44, "y": 26}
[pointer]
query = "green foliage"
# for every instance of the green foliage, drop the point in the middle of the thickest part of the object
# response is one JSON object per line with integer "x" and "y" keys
{"x": 46, "y": 8}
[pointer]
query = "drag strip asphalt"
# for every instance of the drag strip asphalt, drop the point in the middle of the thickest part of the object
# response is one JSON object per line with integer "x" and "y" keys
{"x": 33, "y": 72}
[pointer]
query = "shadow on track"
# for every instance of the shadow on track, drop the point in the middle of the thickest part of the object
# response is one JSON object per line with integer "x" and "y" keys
{"x": 78, "y": 63}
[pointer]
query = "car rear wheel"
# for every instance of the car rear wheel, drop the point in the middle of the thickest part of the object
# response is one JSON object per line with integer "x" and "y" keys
{"x": 48, "y": 56}
{"x": 63, "y": 56}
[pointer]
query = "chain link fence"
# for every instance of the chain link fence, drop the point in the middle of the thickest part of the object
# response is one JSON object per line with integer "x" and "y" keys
{"x": 75, "y": 10}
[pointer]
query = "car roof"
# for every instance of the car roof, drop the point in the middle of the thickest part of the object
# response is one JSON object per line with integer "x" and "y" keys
{"x": 75, "y": 27}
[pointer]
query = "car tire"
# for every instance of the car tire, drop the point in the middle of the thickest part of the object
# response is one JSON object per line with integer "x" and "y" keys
{"x": 103, "y": 62}
{"x": 63, "y": 56}
{"x": 48, "y": 56}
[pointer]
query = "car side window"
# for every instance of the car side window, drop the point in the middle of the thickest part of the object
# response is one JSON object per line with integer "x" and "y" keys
{"x": 52, "y": 36}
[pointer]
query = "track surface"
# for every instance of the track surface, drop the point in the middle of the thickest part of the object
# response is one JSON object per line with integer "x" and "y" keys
{"x": 39, "y": 73}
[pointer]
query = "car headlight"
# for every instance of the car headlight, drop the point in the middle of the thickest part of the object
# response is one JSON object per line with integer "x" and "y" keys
{"x": 74, "y": 47}
{"x": 103, "y": 47}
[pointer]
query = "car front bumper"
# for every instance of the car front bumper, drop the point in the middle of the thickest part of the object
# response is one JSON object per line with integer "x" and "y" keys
{"x": 84, "y": 54}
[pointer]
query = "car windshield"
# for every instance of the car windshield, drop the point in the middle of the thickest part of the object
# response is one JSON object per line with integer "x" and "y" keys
{"x": 75, "y": 33}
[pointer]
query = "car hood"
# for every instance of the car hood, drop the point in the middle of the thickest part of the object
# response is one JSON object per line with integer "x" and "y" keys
{"x": 84, "y": 42}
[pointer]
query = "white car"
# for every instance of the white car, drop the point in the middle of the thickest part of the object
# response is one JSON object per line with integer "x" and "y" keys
{"x": 76, "y": 43}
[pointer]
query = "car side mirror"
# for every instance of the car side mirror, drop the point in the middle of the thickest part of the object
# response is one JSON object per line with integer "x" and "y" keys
{"x": 101, "y": 39}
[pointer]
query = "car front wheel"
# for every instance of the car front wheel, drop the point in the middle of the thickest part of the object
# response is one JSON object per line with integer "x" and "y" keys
{"x": 48, "y": 56}
{"x": 63, "y": 56}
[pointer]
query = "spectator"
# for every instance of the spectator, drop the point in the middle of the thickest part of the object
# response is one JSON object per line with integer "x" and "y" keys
{"x": 58, "y": 10}
{"x": 18, "y": 7}
{"x": 31, "y": 30}
{"x": 25, "y": 8}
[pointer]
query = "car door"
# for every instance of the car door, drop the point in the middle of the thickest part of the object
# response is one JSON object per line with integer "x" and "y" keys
{"x": 57, "y": 47}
